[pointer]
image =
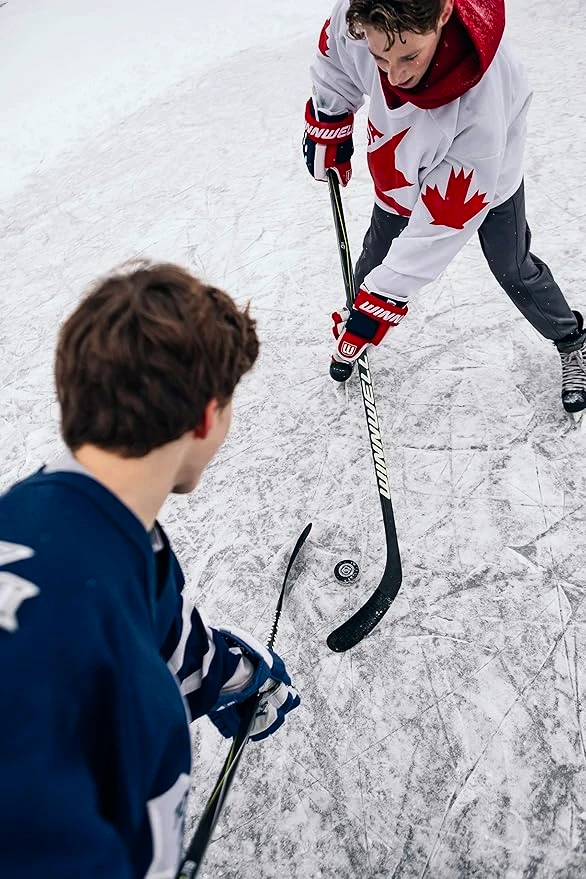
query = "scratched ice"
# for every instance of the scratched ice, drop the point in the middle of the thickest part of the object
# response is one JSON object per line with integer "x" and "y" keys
{"x": 450, "y": 743}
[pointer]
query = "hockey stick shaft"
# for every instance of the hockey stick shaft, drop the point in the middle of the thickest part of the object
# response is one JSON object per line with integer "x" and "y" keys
{"x": 342, "y": 237}
{"x": 366, "y": 618}
{"x": 197, "y": 847}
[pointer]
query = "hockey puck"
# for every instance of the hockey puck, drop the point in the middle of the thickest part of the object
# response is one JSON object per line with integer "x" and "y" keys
{"x": 346, "y": 571}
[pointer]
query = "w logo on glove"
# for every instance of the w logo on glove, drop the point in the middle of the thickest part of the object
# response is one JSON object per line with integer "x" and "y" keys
{"x": 347, "y": 350}
{"x": 367, "y": 324}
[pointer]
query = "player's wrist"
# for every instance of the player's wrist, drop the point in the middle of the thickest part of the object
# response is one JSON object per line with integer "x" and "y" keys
{"x": 396, "y": 299}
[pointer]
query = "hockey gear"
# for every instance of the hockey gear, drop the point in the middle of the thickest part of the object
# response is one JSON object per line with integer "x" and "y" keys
{"x": 366, "y": 618}
{"x": 368, "y": 322}
{"x": 340, "y": 319}
{"x": 270, "y": 681}
{"x": 327, "y": 143}
{"x": 340, "y": 370}
{"x": 197, "y": 847}
{"x": 346, "y": 571}
{"x": 411, "y": 154}
{"x": 572, "y": 350}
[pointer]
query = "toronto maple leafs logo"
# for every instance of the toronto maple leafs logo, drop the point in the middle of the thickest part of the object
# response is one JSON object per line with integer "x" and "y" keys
{"x": 454, "y": 209}
{"x": 323, "y": 38}
{"x": 13, "y": 589}
{"x": 382, "y": 164}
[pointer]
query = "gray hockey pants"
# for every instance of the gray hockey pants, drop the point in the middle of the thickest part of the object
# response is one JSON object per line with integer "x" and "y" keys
{"x": 505, "y": 239}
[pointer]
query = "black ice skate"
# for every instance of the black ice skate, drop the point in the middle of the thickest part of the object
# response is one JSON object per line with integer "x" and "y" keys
{"x": 572, "y": 351}
{"x": 340, "y": 370}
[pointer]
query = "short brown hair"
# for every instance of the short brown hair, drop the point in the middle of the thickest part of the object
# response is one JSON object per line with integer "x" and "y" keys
{"x": 143, "y": 354}
{"x": 393, "y": 17}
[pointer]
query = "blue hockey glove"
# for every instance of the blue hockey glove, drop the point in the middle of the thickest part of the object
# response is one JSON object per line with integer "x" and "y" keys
{"x": 270, "y": 679}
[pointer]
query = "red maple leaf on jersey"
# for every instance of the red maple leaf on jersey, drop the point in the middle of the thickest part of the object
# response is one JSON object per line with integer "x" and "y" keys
{"x": 452, "y": 209}
{"x": 323, "y": 38}
{"x": 384, "y": 171}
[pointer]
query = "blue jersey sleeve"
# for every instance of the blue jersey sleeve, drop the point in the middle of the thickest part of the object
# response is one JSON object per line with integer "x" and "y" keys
{"x": 204, "y": 664}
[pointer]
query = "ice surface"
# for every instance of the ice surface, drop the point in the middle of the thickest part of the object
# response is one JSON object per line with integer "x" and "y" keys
{"x": 451, "y": 742}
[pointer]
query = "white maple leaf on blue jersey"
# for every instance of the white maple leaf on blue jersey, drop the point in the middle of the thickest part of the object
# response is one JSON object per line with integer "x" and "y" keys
{"x": 13, "y": 589}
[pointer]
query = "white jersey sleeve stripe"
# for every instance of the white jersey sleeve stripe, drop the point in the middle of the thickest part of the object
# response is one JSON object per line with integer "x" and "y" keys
{"x": 194, "y": 681}
{"x": 178, "y": 657}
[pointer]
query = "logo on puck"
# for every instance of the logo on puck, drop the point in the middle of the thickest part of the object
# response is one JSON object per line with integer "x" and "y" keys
{"x": 346, "y": 571}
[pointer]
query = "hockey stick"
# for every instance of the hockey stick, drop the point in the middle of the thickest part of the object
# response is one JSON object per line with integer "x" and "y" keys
{"x": 199, "y": 842}
{"x": 366, "y": 617}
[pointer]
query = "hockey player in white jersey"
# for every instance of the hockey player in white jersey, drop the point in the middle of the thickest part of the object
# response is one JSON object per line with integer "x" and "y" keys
{"x": 446, "y": 138}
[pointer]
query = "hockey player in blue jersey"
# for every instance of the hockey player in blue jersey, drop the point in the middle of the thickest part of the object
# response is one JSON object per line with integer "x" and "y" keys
{"x": 103, "y": 660}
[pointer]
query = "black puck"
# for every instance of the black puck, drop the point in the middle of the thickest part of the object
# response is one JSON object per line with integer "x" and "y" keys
{"x": 346, "y": 571}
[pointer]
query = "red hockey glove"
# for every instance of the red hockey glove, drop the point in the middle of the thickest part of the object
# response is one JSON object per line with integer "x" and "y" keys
{"x": 327, "y": 143}
{"x": 372, "y": 315}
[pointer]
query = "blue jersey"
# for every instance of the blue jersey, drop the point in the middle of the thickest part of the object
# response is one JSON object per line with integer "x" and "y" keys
{"x": 102, "y": 666}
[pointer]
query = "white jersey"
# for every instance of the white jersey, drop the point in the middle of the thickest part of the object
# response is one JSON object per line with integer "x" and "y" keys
{"x": 443, "y": 168}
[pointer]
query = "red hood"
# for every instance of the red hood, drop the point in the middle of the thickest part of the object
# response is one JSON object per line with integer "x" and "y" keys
{"x": 465, "y": 51}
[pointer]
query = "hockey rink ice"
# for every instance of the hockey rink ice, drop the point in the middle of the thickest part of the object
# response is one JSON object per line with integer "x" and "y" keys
{"x": 451, "y": 742}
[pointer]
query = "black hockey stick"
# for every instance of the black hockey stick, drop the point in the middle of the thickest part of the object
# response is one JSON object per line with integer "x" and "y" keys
{"x": 366, "y": 617}
{"x": 199, "y": 842}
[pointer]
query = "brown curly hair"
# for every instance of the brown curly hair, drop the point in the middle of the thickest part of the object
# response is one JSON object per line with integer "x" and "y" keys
{"x": 393, "y": 17}
{"x": 143, "y": 354}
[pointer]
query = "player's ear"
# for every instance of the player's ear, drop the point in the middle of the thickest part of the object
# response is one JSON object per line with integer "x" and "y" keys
{"x": 446, "y": 12}
{"x": 207, "y": 421}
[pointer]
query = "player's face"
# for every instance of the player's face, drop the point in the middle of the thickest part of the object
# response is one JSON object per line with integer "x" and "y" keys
{"x": 407, "y": 60}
